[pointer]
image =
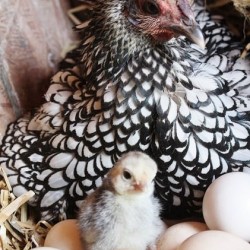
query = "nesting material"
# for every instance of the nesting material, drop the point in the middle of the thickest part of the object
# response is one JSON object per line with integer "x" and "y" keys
{"x": 236, "y": 14}
{"x": 18, "y": 231}
{"x": 243, "y": 6}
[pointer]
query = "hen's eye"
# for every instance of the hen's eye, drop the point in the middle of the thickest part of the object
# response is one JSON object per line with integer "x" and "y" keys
{"x": 127, "y": 175}
{"x": 150, "y": 7}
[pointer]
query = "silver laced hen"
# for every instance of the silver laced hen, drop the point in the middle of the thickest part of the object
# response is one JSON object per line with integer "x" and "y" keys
{"x": 138, "y": 83}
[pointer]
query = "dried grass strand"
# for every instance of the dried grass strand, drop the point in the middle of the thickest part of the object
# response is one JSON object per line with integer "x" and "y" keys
{"x": 7, "y": 211}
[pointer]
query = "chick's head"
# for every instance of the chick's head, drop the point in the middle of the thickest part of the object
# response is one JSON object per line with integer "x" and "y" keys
{"x": 133, "y": 174}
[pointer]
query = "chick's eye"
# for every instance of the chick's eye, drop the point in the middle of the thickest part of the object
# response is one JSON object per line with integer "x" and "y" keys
{"x": 150, "y": 7}
{"x": 127, "y": 175}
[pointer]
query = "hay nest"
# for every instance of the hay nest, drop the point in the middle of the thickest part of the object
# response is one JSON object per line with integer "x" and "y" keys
{"x": 236, "y": 14}
{"x": 18, "y": 230}
{"x": 243, "y": 6}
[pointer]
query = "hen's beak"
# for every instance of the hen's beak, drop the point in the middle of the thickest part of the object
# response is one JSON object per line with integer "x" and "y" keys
{"x": 192, "y": 32}
{"x": 181, "y": 21}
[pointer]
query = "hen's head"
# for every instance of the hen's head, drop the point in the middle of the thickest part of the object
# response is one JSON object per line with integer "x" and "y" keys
{"x": 114, "y": 31}
{"x": 163, "y": 19}
{"x": 159, "y": 20}
{"x": 133, "y": 174}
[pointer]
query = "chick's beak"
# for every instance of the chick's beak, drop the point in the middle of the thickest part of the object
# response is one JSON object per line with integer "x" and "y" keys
{"x": 139, "y": 186}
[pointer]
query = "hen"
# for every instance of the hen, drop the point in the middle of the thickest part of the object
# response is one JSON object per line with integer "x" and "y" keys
{"x": 137, "y": 84}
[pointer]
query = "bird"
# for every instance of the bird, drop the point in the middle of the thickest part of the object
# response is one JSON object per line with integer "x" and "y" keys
{"x": 123, "y": 212}
{"x": 157, "y": 76}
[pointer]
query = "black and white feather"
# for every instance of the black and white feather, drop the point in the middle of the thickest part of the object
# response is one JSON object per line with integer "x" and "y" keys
{"x": 186, "y": 107}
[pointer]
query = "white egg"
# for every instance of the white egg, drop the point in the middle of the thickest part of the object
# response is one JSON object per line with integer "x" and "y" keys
{"x": 176, "y": 234}
{"x": 226, "y": 204}
{"x": 214, "y": 240}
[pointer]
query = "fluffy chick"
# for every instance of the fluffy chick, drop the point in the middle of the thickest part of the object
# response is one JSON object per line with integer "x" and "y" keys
{"x": 123, "y": 213}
